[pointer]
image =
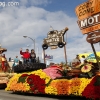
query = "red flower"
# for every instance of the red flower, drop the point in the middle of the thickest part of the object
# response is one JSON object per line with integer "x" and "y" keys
{"x": 37, "y": 84}
{"x": 92, "y": 91}
{"x": 30, "y": 80}
{"x": 24, "y": 75}
{"x": 32, "y": 88}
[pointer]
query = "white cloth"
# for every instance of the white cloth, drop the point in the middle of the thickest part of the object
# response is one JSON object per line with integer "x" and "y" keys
{"x": 82, "y": 60}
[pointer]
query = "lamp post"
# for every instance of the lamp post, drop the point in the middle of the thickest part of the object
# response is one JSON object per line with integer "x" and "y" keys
{"x": 31, "y": 39}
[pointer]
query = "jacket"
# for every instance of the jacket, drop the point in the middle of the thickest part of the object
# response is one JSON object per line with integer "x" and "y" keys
{"x": 26, "y": 55}
{"x": 32, "y": 55}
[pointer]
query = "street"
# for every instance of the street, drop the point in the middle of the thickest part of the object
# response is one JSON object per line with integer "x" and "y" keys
{"x": 8, "y": 95}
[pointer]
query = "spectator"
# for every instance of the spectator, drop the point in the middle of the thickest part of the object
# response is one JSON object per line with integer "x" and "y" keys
{"x": 33, "y": 56}
{"x": 16, "y": 61}
{"x": 26, "y": 55}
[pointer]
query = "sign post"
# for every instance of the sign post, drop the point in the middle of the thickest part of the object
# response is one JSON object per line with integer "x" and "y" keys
{"x": 44, "y": 56}
{"x": 94, "y": 38}
{"x": 95, "y": 55}
{"x": 88, "y": 14}
{"x": 65, "y": 54}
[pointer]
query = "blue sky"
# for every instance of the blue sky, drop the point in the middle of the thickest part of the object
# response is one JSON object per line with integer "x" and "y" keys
{"x": 33, "y": 18}
{"x": 67, "y": 6}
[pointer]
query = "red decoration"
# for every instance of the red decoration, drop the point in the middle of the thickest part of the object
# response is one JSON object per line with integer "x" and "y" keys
{"x": 37, "y": 85}
{"x": 24, "y": 75}
{"x": 92, "y": 91}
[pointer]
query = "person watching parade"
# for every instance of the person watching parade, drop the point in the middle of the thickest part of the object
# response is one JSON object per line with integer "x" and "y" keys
{"x": 16, "y": 61}
{"x": 33, "y": 56}
{"x": 26, "y": 55}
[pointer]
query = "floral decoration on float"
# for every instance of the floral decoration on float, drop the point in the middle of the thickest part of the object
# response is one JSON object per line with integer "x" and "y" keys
{"x": 50, "y": 81}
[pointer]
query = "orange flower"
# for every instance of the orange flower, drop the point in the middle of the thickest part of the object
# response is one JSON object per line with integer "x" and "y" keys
{"x": 62, "y": 86}
{"x": 75, "y": 82}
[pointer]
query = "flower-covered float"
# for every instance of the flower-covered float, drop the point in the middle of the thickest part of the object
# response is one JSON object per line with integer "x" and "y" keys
{"x": 54, "y": 80}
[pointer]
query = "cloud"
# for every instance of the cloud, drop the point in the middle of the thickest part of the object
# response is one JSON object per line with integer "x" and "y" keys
{"x": 33, "y": 21}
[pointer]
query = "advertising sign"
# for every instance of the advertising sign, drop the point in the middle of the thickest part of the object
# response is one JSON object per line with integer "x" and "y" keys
{"x": 90, "y": 24}
{"x": 93, "y": 37}
{"x": 89, "y": 16}
{"x": 90, "y": 29}
{"x": 87, "y": 9}
{"x": 55, "y": 38}
{"x": 90, "y": 21}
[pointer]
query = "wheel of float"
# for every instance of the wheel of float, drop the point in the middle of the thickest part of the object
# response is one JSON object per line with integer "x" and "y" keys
{"x": 45, "y": 46}
{"x": 60, "y": 45}
{"x": 29, "y": 67}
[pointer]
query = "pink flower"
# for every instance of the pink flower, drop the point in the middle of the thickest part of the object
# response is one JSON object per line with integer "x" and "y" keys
{"x": 52, "y": 71}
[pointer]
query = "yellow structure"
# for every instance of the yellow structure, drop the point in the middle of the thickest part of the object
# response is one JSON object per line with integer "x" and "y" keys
{"x": 90, "y": 57}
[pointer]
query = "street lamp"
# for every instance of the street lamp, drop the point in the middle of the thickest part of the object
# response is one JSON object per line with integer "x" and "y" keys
{"x": 31, "y": 39}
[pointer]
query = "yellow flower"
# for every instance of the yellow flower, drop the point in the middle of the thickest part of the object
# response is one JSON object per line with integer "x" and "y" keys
{"x": 51, "y": 90}
{"x": 13, "y": 84}
{"x": 86, "y": 68}
{"x": 80, "y": 86}
{"x": 84, "y": 83}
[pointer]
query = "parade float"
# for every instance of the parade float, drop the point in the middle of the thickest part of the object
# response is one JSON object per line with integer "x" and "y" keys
{"x": 5, "y": 74}
{"x": 57, "y": 79}
{"x": 62, "y": 80}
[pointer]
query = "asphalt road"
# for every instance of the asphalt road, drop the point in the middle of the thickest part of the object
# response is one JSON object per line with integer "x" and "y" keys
{"x": 8, "y": 95}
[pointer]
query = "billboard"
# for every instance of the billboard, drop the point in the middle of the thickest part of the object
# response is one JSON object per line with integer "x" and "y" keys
{"x": 89, "y": 16}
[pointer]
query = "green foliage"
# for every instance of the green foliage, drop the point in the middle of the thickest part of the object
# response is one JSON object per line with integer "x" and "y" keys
{"x": 22, "y": 79}
{"x": 90, "y": 74}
